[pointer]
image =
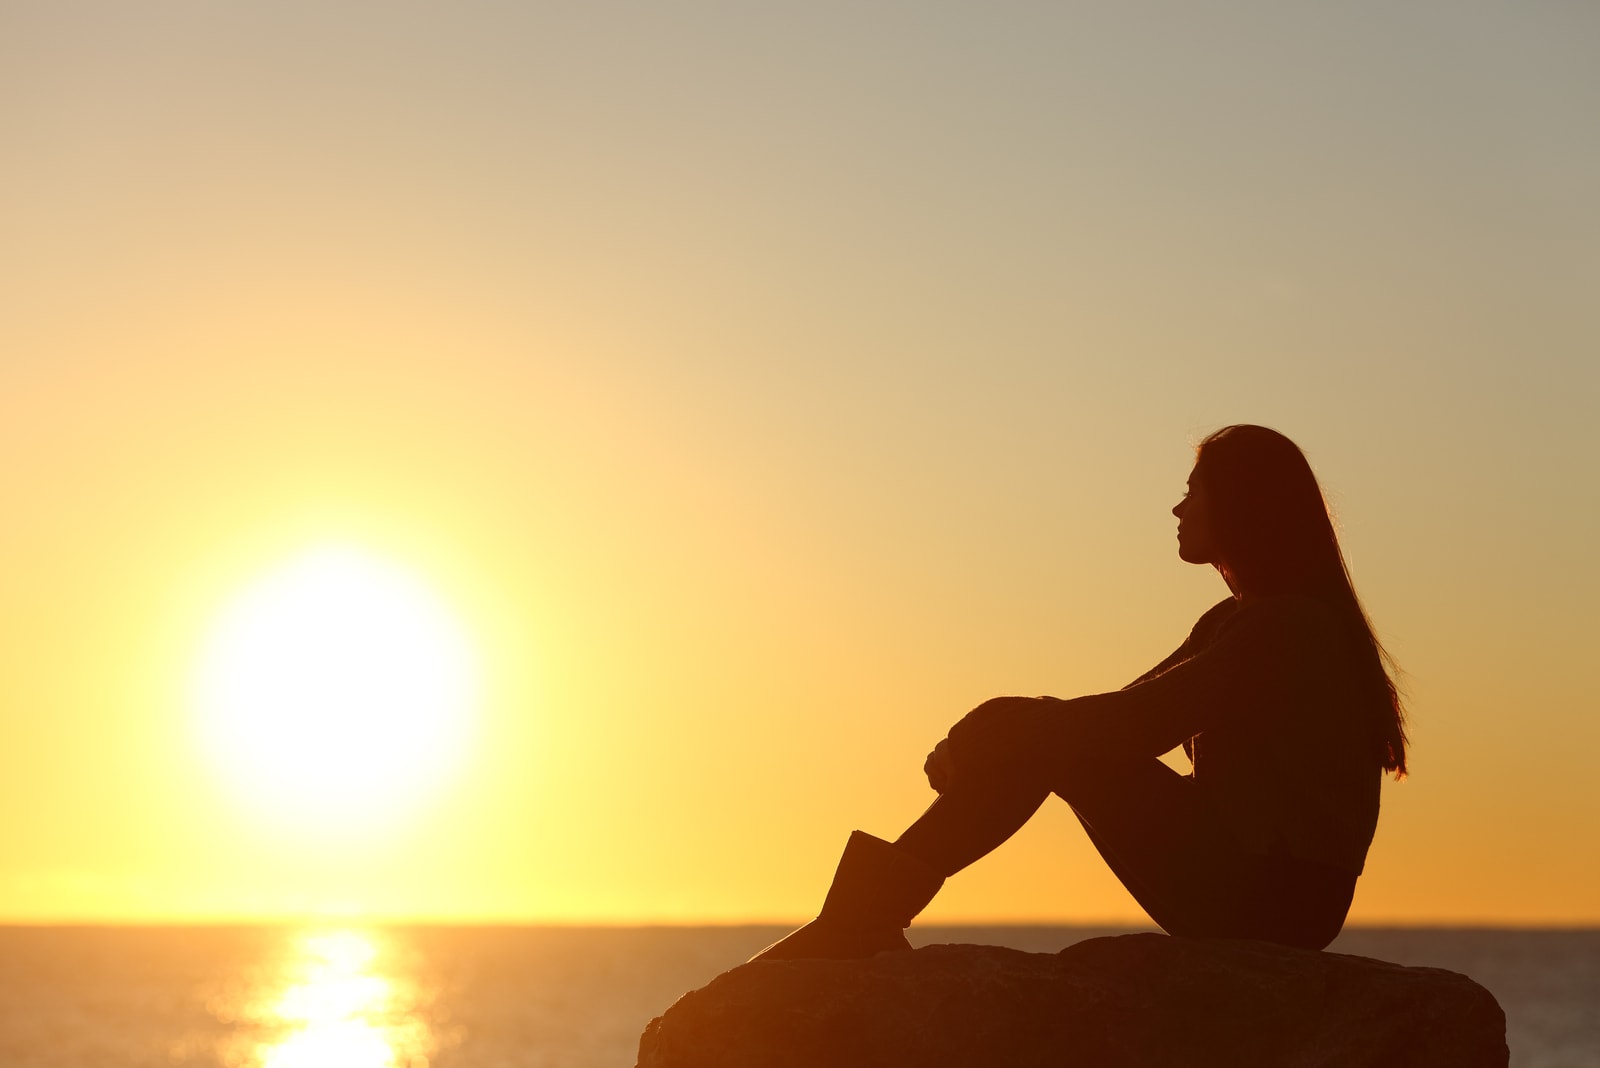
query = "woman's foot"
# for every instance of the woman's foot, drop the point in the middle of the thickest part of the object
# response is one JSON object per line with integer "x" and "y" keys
{"x": 877, "y": 890}
{"x": 824, "y": 940}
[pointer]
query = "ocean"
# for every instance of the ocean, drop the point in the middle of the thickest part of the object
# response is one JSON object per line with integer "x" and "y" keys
{"x": 554, "y": 997}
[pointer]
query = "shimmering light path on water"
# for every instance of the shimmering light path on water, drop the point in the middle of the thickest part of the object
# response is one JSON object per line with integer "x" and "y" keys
{"x": 340, "y": 1011}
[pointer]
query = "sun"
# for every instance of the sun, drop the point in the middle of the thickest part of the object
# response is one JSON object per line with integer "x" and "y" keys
{"x": 335, "y": 691}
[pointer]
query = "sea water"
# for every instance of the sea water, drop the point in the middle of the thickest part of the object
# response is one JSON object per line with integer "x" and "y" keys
{"x": 553, "y": 997}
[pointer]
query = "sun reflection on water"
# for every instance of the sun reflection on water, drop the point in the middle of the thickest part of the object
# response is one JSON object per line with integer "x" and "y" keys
{"x": 334, "y": 1007}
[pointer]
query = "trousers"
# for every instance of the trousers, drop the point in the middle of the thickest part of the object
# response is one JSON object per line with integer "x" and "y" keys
{"x": 1168, "y": 847}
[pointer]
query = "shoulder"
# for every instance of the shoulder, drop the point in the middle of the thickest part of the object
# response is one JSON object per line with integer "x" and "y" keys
{"x": 1286, "y": 628}
{"x": 1297, "y": 610}
{"x": 1212, "y": 621}
{"x": 1289, "y": 623}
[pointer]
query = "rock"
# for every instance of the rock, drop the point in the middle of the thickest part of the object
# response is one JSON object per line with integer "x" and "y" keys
{"x": 1142, "y": 999}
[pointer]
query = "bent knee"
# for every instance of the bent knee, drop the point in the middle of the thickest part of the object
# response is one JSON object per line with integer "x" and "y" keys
{"x": 995, "y": 705}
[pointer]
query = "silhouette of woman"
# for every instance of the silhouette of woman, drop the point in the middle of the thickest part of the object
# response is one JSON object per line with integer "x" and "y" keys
{"x": 1281, "y": 696}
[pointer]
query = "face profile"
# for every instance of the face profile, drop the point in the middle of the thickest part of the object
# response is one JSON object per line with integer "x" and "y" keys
{"x": 1196, "y": 529}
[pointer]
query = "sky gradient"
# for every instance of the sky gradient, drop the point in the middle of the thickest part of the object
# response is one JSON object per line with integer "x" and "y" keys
{"x": 763, "y": 386}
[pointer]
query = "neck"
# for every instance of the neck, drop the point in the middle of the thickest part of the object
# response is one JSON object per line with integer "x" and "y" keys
{"x": 1239, "y": 590}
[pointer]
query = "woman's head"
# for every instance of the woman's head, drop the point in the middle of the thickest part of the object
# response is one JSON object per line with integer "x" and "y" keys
{"x": 1259, "y": 516}
{"x": 1265, "y": 520}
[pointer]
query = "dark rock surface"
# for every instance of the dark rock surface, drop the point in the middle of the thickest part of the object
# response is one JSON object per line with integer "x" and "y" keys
{"x": 1142, "y": 999}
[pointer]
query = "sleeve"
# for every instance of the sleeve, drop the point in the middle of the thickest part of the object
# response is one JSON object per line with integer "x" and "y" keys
{"x": 1258, "y": 653}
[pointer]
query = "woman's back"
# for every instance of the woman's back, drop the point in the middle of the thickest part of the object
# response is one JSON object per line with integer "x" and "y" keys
{"x": 1292, "y": 770}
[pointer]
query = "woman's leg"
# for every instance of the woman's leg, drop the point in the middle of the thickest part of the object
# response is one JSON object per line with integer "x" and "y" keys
{"x": 969, "y": 820}
{"x": 1148, "y": 825}
{"x": 1148, "y": 830}
{"x": 1174, "y": 856}
{"x": 1147, "y": 821}
{"x": 1157, "y": 836}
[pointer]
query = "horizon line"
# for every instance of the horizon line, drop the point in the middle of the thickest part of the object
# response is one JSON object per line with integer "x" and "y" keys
{"x": 1389, "y": 924}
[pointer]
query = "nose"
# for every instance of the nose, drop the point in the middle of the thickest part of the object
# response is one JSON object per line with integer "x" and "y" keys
{"x": 1177, "y": 509}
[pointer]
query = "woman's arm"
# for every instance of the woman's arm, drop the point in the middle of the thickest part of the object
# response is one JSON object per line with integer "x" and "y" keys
{"x": 1263, "y": 650}
{"x": 1260, "y": 650}
{"x": 1200, "y": 636}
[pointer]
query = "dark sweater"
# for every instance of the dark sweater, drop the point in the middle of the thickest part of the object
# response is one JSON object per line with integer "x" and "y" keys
{"x": 1268, "y": 698}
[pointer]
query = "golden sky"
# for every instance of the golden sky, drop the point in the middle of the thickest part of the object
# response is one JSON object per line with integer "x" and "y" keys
{"x": 758, "y": 389}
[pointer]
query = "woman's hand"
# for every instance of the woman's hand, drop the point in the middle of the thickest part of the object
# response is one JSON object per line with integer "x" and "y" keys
{"x": 940, "y": 767}
{"x": 1002, "y": 733}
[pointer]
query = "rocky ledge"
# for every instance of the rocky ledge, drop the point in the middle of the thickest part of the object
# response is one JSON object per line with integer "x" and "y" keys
{"x": 1142, "y": 999}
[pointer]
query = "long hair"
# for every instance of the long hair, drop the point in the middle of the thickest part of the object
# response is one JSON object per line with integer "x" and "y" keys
{"x": 1275, "y": 537}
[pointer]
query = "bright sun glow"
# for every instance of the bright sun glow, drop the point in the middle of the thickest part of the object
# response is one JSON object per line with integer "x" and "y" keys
{"x": 335, "y": 690}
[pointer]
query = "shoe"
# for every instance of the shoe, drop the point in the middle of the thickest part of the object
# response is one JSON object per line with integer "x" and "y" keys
{"x": 877, "y": 891}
